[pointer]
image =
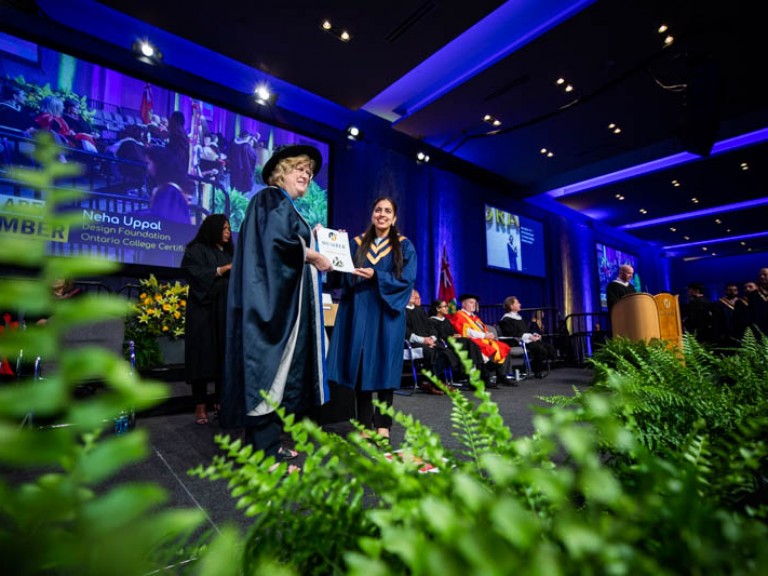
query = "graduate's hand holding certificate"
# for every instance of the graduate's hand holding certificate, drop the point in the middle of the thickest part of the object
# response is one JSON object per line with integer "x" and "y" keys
{"x": 334, "y": 244}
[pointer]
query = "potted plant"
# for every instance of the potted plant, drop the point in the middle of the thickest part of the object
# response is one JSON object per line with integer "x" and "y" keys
{"x": 157, "y": 323}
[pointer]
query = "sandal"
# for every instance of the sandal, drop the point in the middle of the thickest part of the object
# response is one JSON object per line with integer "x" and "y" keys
{"x": 284, "y": 454}
{"x": 290, "y": 470}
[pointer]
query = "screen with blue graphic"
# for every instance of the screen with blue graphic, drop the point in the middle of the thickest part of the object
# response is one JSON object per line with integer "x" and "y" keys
{"x": 514, "y": 242}
{"x": 608, "y": 261}
{"x": 155, "y": 161}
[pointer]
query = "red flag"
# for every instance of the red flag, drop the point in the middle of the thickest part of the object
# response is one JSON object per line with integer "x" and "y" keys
{"x": 145, "y": 110}
{"x": 5, "y": 368}
{"x": 446, "y": 291}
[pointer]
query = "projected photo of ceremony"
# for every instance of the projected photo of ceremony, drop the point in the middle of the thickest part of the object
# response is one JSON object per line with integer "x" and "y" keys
{"x": 155, "y": 161}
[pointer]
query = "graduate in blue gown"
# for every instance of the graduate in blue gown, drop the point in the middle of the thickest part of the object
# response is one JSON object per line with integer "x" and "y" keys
{"x": 366, "y": 350}
{"x": 275, "y": 335}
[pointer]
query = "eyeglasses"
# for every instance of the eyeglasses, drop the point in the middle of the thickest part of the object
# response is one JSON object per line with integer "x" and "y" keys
{"x": 306, "y": 171}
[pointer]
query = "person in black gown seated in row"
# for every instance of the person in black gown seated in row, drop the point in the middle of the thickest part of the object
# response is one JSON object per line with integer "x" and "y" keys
{"x": 513, "y": 325}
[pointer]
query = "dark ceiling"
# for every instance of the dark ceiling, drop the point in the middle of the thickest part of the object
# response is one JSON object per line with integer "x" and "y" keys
{"x": 434, "y": 69}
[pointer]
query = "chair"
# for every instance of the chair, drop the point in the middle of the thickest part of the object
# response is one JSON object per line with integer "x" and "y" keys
{"x": 411, "y": 354}
{"x": 517, "y": 361}
{"x": 108, "y": 334}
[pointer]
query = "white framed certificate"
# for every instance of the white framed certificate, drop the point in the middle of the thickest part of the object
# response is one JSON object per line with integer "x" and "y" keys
{"x": 334, "y": 245}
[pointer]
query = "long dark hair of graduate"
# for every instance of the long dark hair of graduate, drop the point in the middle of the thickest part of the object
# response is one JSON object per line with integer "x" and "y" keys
{"x": 210, "y": 232}
{"x": 394, "y": 240}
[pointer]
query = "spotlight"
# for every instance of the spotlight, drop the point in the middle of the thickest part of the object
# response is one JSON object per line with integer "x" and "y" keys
{"x": 335, "y": 31}
{"x": 264, "y": 96}
{"x": 354, "y": 133}
{"x": 147, "y": 52}
{"x": 422, "y": 158}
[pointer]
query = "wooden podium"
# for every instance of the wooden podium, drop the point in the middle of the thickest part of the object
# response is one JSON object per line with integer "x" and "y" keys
{"x": 645, "y": 317}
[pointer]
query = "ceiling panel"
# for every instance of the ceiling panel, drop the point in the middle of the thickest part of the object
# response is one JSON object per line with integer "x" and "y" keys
{"x": 667, "y": 101}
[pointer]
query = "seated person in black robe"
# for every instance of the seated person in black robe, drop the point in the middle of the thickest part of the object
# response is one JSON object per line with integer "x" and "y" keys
{"x": 513, "y": 325}
{"x": 420, "y": 334}
{"x": 443, "y": 328}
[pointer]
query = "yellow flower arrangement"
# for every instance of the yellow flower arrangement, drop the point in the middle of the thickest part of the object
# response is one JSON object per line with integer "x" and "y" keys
{"x": 161, "y": 308}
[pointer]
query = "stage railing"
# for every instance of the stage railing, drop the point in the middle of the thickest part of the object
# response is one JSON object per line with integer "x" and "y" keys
{"x": 586, "y": 332}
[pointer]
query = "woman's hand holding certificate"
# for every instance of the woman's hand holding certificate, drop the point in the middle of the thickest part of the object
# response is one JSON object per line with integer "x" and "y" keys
{"x": 334, "y": 244}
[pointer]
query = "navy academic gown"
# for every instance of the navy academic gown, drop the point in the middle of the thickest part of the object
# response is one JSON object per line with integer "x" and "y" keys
{"x": 369, "y": 330}
{"x": 275, "y": 339}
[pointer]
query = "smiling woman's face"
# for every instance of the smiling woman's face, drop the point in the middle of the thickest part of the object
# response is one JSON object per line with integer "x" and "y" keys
{"x": 296, "y": 181}
{"x": 383, "y": 217}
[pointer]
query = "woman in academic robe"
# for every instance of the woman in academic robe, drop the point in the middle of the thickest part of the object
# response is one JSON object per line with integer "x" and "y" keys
{"x": 366, "y": 350}
{"x": 275, "y": 334}
{"x": 206, "y": 263}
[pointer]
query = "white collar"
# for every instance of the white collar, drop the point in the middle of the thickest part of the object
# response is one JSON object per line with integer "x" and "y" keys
{"x": 513, "y": 315}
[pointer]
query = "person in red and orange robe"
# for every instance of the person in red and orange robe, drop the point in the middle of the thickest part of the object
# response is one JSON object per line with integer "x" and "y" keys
{"x": 467, "y": 323}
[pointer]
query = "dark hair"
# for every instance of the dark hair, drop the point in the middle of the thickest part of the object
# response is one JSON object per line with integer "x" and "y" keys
{"x": 696, "y": 286}
{"x": 394, "y": 240}
{"x": 210, "y": 232}
{"x": 165, "y": 169}
{"x": 176, "y": 120}
{"x": 434, "y": 305}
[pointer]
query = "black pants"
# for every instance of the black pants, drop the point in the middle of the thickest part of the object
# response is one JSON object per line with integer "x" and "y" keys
{"x": 200, "y": 391}
{"x": 369, "y": 416}
{"x": 539, "y": 353}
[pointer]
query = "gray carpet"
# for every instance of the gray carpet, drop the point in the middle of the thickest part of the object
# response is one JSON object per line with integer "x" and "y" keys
{"x": 179, "y": 444}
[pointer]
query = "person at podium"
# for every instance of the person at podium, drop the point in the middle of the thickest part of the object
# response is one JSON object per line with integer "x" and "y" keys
{"x": 621, "y": 286}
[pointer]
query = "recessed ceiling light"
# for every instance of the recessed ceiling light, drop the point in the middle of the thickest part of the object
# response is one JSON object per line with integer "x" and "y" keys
{"x": 672, "y": 229}
{"x": 695, "y": 200}
{"x": 643, "y": 211}
{"x": 560, "y": 81}
{"x": 676, "y": 183}
{"x": 663, "y": 28}
{"x": 669, "y": 40}
{"x": 335, "y": 31}
{"x": 718, "y": 221}
{"x": 744, "y": 166}
{"x": 569, "y": 88}
{"x": 354, "y": 133}
{"x": 263, "y": 95}
{"x": 147, "y": 51}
